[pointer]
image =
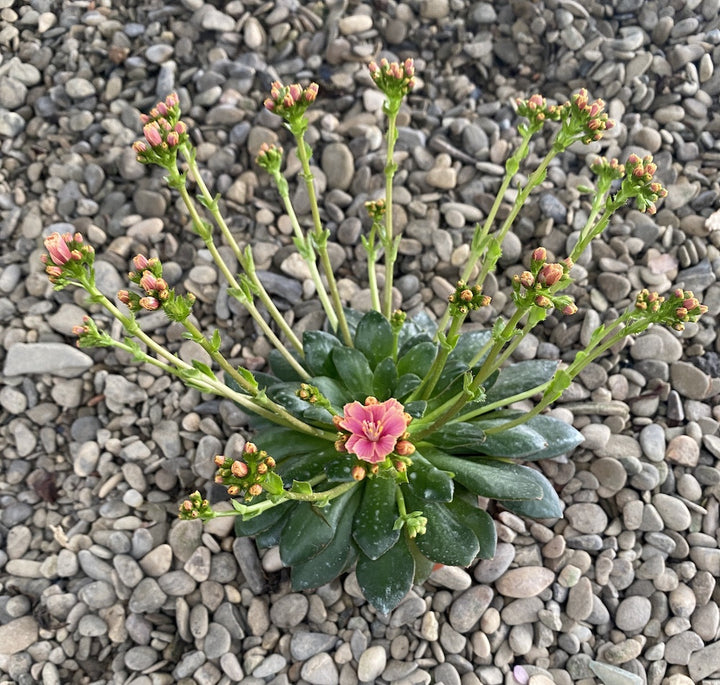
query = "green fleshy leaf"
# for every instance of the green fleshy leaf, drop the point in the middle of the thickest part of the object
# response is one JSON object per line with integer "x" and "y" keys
{"x": 446, "y": 540}
{"x": 411, "y": 342}
{"x": 311, "y": 529}
{"x": 273, "y": 483}
{"x": 353, "y": 371}
{"x": 427, "y": 482}
{"x": 339, "y": 470}
{"x": 373, "y": 526}
{"x": 561, "y": 437}
{"x": 280, "y": 443}
{"x": 470, "y": 438}
{"x": 270, "y": 536}
{"x": 468, "y": 345}
{"x": 479, "y": 521}
{"x": 521, "y": 377}
{"x": 416, "y": 409}
{"x": 374, "y": 337}
{"x": 336, "y": 556}
{"x": 549, "y": 507}
{"x": 418, "y": 359}
{"x": 423, "y": 565}
{"x": 318, "y": 346}
{"x": 405, "y": 385}
{"x": 487, "y": 477}
{"x": 281, "y": 367}
{"x": 203, "y": 368}
{"x": 332, "y": 389}
{"x": 305, "y": 466}
{"x": 261, "y": 522}
{"x": 384, "y": 379}
{"x": 385, "y": 581}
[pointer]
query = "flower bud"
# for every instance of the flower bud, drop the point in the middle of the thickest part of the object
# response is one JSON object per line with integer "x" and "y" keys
{"x": 250, "y": 448}
{"x": 550, "y": 274}
{"x": 255, "y": 489}
{"x": 404, "y": 448}
{"x": 539, "y": 255}
{"x": 239, "y": 469}
{"x": 149, "y": 303}
{"x": 357, "y": 472}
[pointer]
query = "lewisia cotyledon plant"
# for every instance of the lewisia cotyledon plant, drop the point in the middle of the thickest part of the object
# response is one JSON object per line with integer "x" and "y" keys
{"x": 379, "y": 436}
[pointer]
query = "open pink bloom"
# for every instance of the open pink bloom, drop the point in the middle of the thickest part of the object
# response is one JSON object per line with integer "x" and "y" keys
{"x": 58, "y": 249}
{"x": 374, "y": 429}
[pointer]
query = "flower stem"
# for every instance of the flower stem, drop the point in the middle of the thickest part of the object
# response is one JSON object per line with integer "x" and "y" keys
{"x": 212, "y": 205}
{"x": 306, "y": 250}
{"x": 503, "y": 402}
{"x": 236, "y": 288}
{"x": 321, "y": 238}
{"x": 389, "y": 241}
{"x": 447, "y": 344}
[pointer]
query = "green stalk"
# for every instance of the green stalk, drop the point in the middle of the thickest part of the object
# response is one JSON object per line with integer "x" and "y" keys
{"x": 371, "y": 252}
{"x": 503, "y": 402}
{"x": 588, "y": 234}
{"x": 478, "y": 242}
{"x": 572, "y": 371}
{"x": 255, "y": 509}
{"x": 321, "y": 238}
{"x": 389, "y": 242}
{"x": 447, "y": 344}
{"x": 307, "y": 251}
{"x": 235, "y": 285}
{"x": 212, "y": 205}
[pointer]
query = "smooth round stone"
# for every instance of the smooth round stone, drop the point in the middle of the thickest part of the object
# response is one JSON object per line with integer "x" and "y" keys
{"x": 320, "y": 670}
{"x": 526, "y": 581}
{"x": 338, "y": 164}
{"x": 682, "y": 601}
{"x": 217, "y": 641}
{"x": 147, "y": 597}
{"x": 372, "y": 663}
{"x": 679, "y": 647}
{"x": 652, "y": 442}
{"x": 469, "y": 607}
{"x": 488, "y": 571}
{"x": 92, "y": 626}
{"x": 689, "y": 381}
{"x": 141, "y": 657}
{"x": 633, "y": 613}
{"x": 586, "y": 517}
{"x": 683, "y": 450}
{"x": 610, "y": 474}
{"x": 78, "y": 88}
{"x": 674, "y": 512}
{"x": 289, "y": 610}
{"x": 580, "y": 600}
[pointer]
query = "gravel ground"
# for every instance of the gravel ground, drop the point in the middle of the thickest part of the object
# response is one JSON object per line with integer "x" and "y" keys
{"x": 100, "y": 584}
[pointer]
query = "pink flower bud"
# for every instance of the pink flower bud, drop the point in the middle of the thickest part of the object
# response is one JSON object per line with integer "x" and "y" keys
{"x": 152, "y": 135}
{"x": 542, "y": 301}
{"x": 550, "y": 274}
{"x": 140, "y": 262}
{"x": 295, "y": 92}
{"x": 180, "y": 127}
{"x": 539, "y": 254}
{"x": 288, "y": 101}
{"x": 148, "y": 282}
{"x": 123, "y": 296}
{"x": 53, "y": 271}
{"x": 633, "y": 159}
{"x": 250, "y": 448}
{"x": 173, "y": 139}
{"x": 79, "y": 330}
{"x": 526, "y": 279}
{"x": 172, "y": 100}
{"x": 409, "y": 67}
{"x": 76, "y": 255}
{"x": 139, "y": 147}
{"x": 373, "y": 68}
{"x": 58, "y": 249}
{"x": 239, "y": 469}
{"x": 311, "y": 92}
{"x": 569, "y": 309}
{"x": 149, "y": 303}
{"x": 162, "y": 108}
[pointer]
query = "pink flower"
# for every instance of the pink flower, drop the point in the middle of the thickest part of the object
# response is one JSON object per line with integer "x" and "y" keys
{"x": 375, "y": 428}
{"x": 58, "y": 249}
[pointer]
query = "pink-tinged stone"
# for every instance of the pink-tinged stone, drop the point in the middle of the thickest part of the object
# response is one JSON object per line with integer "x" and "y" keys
{"x": 526, "y": 581}
{"x": 18, "y": 635}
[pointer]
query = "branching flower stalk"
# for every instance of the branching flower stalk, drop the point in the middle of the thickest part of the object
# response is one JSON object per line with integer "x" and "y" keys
{"x": 395, "y": 81}
{"x": 290, "y": 103}
{"x": 270, "y": 159}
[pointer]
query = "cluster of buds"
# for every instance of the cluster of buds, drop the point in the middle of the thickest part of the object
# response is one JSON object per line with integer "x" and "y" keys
{"x": 397, "y": 320}
{"x": 163, "y": 131}
{"x": 89, "y": 335}
{"x": 393, "y": 79}
{"x": 588, "y": 119}
{"x": 290, "y": 102}
{"x": 312, "y": 395}
{"x": 67, "y": 256}
{"x": 376, "y": 209}
{"x": 609, "y": 171}
{"x": 269, "y": 157}
{"x": 155, "y": 291}
{"x": 195, "y": 507}
{"x": 245, "y": 477}
{"x": 537, "y": 111}
{"x": 539, "y": 284}
{"x": 415, "y": 523}
{"x": 675, "y": 311}
{"x": 639, "y": 183}
{"x": 467, "y": 298}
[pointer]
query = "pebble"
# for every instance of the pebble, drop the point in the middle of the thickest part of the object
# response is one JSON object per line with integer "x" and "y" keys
{"x": 526, "y": 581}
{"x": 586, "y": 518}
{"x": 371, "y": 664}
{"x": 35, "y": 358}
{"x": 320, "y": 670}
